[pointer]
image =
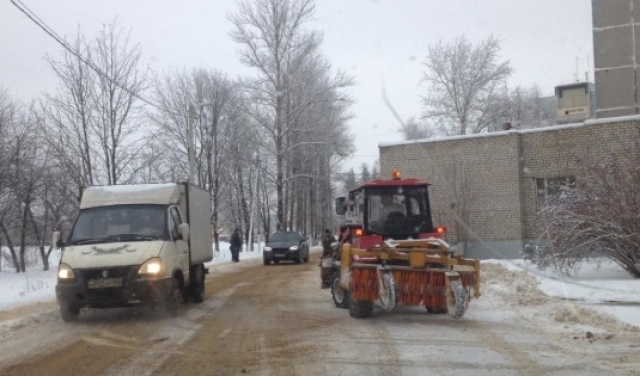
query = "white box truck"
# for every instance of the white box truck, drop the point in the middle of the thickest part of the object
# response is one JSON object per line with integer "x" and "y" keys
{"x": 135, "y": 245}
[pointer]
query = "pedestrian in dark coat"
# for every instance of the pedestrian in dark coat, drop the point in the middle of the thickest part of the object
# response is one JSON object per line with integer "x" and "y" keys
{"x": 327, "y": 240}
{"x": 327, "y": 249}
{"x": 236, "y": 245}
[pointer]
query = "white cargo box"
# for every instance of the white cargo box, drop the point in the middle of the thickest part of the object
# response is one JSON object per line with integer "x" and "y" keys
{"x": 199, "y": 219}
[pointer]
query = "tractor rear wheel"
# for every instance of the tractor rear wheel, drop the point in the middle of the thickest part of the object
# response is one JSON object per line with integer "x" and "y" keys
{"x": 339, "y": 295}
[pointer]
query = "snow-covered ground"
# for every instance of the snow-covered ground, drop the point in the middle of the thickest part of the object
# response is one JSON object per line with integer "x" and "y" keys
{"x": 36, "y": 285}
{"x": 599, "y": 284}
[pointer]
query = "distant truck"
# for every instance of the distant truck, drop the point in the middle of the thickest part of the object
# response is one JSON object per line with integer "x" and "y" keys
{"x": 135, "y": 245}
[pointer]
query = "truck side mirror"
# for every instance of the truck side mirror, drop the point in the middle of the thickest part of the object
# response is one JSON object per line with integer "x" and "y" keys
{"x": 183, "y": 231}
{"x": 341, "y": 207}
{"x": 56, "y": 239}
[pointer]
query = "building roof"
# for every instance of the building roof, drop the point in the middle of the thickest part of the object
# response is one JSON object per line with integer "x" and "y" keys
{"x": 551, "y": 128}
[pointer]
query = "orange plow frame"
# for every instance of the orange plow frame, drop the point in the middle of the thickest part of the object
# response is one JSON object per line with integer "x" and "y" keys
{"x": 424, "y": 281}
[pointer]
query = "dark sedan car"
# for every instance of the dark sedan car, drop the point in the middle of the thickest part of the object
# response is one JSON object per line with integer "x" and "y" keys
{"x": 286, "y": 245}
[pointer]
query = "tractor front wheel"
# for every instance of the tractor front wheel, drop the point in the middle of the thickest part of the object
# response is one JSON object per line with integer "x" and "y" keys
{"x": 457, "y": 301}
{"x": 360, "y": 309}
{"x": 340, "y": 296}
{"x": 436, "y": 310}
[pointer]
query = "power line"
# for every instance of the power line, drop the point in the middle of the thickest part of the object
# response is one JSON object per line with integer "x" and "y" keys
{"x": 39, "y": 22}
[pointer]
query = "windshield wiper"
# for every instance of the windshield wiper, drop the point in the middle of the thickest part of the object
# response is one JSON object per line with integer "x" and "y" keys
{"x": 136, "y": 236}
{"x": 87, "y": 241}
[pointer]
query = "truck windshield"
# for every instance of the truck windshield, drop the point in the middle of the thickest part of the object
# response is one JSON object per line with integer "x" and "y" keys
{"x": 398, "y": 211}
{"x": 119, "y": 223}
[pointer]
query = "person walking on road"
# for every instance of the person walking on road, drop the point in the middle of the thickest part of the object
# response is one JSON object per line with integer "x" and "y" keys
{"x": 236, "y": 245}
{"x": 327, "y": 240}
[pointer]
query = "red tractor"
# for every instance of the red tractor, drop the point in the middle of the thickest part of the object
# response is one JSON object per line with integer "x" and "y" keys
{"x": 396, "y": 255}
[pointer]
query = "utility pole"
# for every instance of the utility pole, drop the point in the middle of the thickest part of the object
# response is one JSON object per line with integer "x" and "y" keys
{"x": 191, "y": 144}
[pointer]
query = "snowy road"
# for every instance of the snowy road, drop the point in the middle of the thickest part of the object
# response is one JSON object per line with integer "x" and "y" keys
{"x": 275, "y": 320}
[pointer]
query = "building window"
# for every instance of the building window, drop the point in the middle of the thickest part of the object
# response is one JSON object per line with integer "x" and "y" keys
{"x": 548, "y": 188}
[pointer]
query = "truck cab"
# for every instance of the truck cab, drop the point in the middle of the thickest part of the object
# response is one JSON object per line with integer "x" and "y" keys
{"x": 135, "y": 245}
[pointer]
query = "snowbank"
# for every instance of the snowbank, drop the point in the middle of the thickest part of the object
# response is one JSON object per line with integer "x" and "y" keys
{"x": 600, "y": 285}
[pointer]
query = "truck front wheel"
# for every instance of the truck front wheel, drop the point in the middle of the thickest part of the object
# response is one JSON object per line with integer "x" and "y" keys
{"x": 68, "y": 313}
{"x": 174, "y": 301}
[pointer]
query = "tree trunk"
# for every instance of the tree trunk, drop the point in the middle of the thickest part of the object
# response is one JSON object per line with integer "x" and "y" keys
{"x": 12, "y": 250}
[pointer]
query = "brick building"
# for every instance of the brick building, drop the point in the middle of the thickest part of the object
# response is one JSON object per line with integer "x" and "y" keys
{"x": 496, "y": 182}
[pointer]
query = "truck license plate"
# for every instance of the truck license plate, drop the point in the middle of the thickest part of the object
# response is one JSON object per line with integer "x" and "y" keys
{"x": 104, "y": 283}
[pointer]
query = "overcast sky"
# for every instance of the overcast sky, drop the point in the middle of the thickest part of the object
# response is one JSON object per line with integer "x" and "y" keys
{"x": 379, "y": 42}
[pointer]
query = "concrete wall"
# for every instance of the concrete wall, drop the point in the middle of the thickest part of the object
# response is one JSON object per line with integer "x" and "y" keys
{"x": 492, "y": 176}
{"x": 616, "y": 51}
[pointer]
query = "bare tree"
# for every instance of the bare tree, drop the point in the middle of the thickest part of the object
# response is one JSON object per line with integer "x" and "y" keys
{"x": 70, "y": 116}
{"x": 22, "y": 176}
{"x": 525, "y": 108}
{"x": 94, "y": 119}
{"x": 8, "y": 119}
{"x": 216, "y": 100}
{"x": 375, "y": 171}
{"x": 292, "y": 78}
{"x": 117, "y": 104}
{"x": 465, "y": 84}
{"x": 350, "y": 180}
{"x": 597, "y": 216}
{"x": 365, "y": 174}
{"x": 413, "y": 129}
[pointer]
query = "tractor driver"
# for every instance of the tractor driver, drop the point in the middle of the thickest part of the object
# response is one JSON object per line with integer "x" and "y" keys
{"x": 389, "y": 206}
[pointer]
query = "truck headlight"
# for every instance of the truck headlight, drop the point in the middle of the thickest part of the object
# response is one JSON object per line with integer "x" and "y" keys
{"x": 293, "y": 248}
{"x": 152, "y": 267}
{"x": 65, "y": 272}
{"x": 267, "y": 249}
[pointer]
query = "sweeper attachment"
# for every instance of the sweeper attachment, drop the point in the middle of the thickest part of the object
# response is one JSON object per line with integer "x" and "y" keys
{"x": 413, "y": 272}
{"x": 396, "y": 256}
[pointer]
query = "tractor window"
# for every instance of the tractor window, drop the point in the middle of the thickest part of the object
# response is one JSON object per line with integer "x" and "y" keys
{"x": 414, "y": 206}
{"x": 398, "y": 211}
{"x": 384, "y": 205}
{"x": 355, "y": 208}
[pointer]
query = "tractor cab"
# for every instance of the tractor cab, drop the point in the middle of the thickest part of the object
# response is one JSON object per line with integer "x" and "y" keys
{"x": 393, "y": 209}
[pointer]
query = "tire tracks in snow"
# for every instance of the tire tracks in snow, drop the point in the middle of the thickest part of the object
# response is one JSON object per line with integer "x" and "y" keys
{"x": 169, "y": 339}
